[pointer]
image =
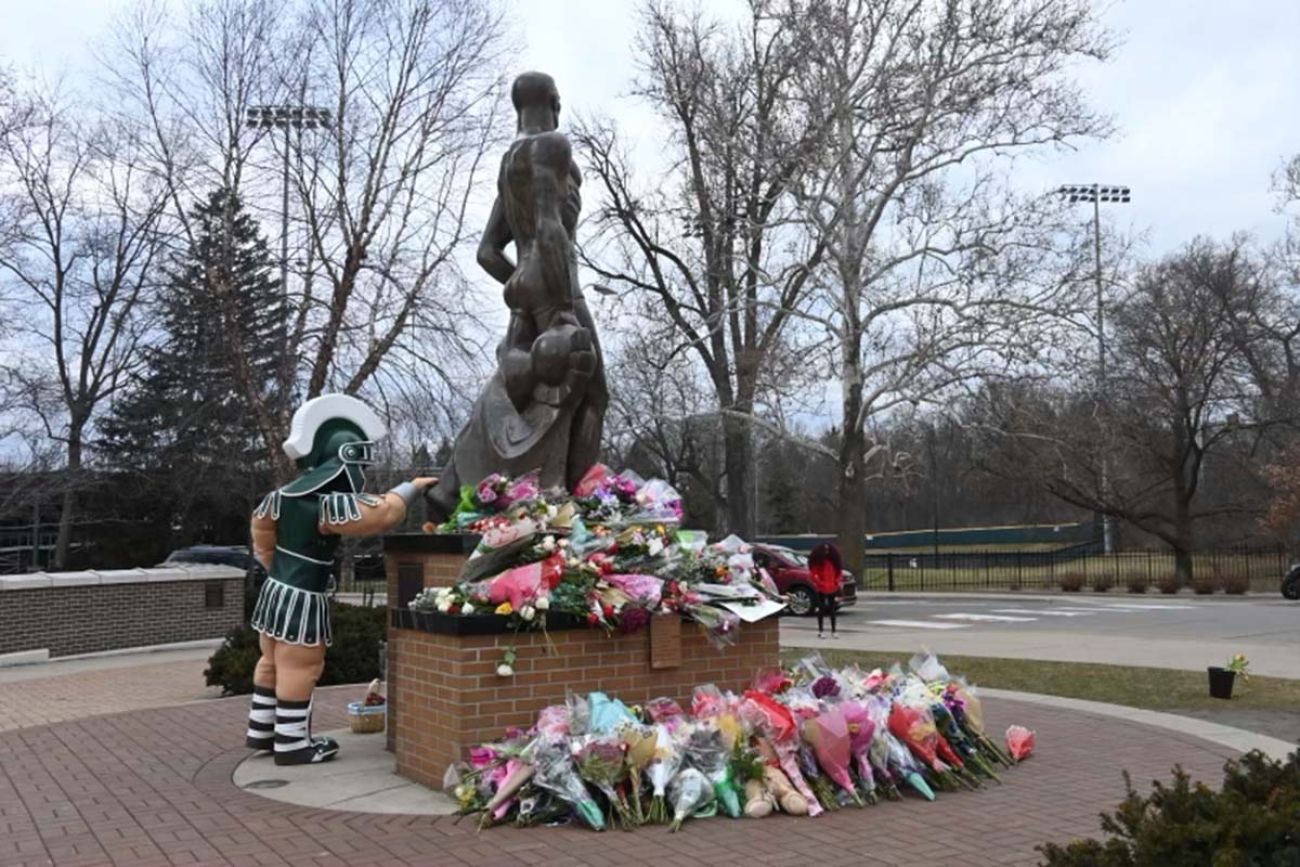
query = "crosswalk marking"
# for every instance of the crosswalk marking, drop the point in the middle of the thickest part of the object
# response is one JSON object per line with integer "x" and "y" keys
{"x": 1052, "y": 613}
{"x": 1125, "y": 606}
{"x": 918, "y": 624}
{"x": 1094, "y": 609}
{"x": 985, "y": 618}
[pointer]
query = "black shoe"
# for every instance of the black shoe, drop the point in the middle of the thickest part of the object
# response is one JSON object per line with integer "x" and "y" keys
{"x": 262, "y": 745}
{"x": 319, "y": 750}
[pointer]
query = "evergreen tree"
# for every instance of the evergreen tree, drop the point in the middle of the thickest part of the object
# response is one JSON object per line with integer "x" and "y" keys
{"x": 184, "y": 440}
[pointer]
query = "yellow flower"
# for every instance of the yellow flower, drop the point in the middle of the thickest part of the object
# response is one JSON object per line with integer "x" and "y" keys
{"x": 504, "y": 608}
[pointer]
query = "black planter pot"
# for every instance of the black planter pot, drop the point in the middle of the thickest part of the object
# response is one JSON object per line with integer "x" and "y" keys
{"x": 1221, "y": 681}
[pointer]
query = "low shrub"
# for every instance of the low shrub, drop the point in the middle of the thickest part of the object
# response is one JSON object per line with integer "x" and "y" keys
{"x": 1250, "y": 821}
{"x": 1236, "y": 584}
{"x": 1168, "y": 583}
{"x": 353, "y": 657}
{"x": 1072, "y": 582}
{"x": 1137, "y": 582}
{"x": 1204, "y": 585}
{"x": 1102, "y": 582}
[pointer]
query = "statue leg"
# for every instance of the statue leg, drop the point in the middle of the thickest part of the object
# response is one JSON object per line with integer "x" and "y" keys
{"x": 261, "y": 710}
{"x": 297, "y": 668}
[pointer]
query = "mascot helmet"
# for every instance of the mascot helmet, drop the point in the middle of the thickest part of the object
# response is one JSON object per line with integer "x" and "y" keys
{"x": 332, "y": 435}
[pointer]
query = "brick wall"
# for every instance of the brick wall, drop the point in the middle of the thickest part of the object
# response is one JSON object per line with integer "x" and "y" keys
{"x": 425, "y": 560}
{"x": 90, "y": 617}
{"x": 447, "y": 696}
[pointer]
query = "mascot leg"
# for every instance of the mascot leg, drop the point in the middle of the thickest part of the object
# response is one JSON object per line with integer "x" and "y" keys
{"x": 297, "y": 668}
{"x": 261, "y": 712}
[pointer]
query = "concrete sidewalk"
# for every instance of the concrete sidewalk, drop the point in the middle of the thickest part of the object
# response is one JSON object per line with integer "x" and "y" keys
{"x": 69, "y": 689}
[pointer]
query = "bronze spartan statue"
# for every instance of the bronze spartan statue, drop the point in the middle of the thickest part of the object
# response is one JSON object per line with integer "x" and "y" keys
{"x": 544, "y": 407}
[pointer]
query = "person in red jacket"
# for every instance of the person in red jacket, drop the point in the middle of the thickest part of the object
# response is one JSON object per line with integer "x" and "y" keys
{"x": 827, "y": 570}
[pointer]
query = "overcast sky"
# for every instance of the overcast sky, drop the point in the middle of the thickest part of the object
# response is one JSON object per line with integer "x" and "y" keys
{"x": 1205, "y": 93}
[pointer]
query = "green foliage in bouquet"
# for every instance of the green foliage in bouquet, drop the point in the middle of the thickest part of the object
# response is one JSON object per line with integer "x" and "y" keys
{"x": 1253, "y": 820}
{"x": 353, "y": 657}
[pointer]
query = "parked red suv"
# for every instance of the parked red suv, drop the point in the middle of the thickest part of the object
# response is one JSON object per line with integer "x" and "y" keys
{"x": 789, "y": 569}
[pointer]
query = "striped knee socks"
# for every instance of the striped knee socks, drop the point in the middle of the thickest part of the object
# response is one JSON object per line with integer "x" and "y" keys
{"x": 261, "y": 719}
{"x": 294, "y": 744}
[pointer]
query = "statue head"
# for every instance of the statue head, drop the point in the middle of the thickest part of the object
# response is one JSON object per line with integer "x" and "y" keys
{"x": 537, "y": 101}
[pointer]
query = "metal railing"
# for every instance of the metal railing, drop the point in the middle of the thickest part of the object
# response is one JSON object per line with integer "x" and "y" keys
{"x": 1078, "y": 567}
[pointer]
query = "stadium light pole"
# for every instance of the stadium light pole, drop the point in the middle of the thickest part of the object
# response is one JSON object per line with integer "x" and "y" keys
{"x": 1099, "y": 194}
{"x": 286, "y": 117}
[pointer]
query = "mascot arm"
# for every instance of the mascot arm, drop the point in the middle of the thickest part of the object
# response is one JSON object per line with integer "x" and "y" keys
{"x": 360, "y": 514}
{"x": 262, "y": 529}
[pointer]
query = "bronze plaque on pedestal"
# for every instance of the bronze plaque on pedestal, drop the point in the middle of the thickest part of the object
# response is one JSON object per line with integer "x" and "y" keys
{"x": 665, "y": 641}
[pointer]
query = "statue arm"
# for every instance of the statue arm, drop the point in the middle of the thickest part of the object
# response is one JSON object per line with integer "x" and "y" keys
{"x": 492, "y": 256}
{"x": 551, "y": 189}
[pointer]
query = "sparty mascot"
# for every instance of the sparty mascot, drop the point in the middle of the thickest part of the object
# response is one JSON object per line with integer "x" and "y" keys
{"x": 295, "y": 532}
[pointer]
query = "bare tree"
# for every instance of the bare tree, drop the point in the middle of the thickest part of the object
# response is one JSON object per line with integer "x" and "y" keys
{"x": 380, "y": 195}
{"x": 708, "y": 246}
{"x": 932, "y": 267}
{"x": 1182, "y": 401}
{"x": 415, "y": 92}
{"x": 81, "y": 257}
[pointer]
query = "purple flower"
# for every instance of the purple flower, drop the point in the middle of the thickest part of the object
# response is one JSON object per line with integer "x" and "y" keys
{"x": 634, "y": 619}
{"x": 825, "y": 687}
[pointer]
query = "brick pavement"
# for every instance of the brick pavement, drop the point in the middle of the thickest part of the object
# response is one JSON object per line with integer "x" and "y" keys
{"x": 153, "y": 787}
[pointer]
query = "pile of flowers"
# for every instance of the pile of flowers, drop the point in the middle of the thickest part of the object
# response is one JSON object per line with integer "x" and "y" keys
{"x": 611, "y": 553}
{"x": 802, "y": 742}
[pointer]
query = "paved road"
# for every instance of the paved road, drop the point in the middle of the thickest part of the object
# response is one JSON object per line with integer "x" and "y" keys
{"x": 1165, "y": 632}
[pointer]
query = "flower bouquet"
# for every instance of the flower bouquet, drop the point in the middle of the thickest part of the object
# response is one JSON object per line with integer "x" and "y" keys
{"x": 601, "y": 761}
{"x": 707, "y": 752}
{"x": 828, "y": 735}
{"x": 690, "y": 794}
{"x": 861, "y": 733}
{"x": 556, "y": 774}
{"x": 663, "y": 766}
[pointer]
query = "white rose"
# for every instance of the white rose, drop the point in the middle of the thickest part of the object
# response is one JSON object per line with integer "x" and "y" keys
{"x": 543, "y": 603}
{"x": 548, "y": 544}
{"x": 656, "y": 546}
{"x": 444, "y": 606}
{"x": 552, "y": 511}
{"x": 504, "y": 670}
{"x": 528, "y": 612}
{"x": 468, "y": 609}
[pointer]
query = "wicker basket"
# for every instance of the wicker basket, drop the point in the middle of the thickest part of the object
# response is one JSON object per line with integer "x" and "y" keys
{"x": 366, "y": 720}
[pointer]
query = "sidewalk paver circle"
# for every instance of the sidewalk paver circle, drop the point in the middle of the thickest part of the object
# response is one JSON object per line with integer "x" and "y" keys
{"x": 154, "y": 787}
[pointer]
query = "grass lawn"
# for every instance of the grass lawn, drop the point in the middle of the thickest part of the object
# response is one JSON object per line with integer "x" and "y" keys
{"x": 1151, "y": 688}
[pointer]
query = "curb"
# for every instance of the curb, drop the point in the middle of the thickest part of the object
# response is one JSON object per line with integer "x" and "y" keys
{"x": 1228, "y": 736}
{"x": 29, "y": 658}
{"x": 868, "y": 595}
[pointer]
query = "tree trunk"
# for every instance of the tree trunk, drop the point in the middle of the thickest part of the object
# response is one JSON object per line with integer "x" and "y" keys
{"x": 852, "y": 499}
{"x": 738, "y": 463}
{"x": 1183, "y": 543}
{"x": 851, "y": 494}
{"x": 64, "y": 541}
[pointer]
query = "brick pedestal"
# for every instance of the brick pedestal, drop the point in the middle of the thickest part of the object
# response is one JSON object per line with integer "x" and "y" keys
{"x": 413, "y": 561}
{"x": 449, "y": 698}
